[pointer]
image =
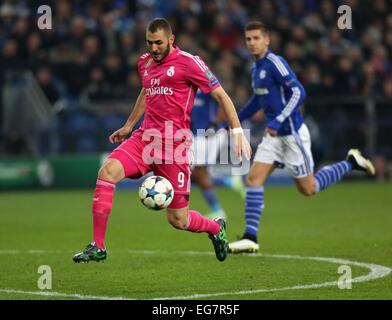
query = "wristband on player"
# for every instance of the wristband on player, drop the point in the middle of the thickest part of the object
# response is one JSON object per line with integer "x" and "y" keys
{"x": 237, "y": 130}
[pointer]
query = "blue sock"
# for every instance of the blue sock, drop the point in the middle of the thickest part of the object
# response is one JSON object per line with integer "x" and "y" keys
{"x": 210, "y": 196}
{"x": 221, "y": 181}
{"x": 254, "y": 205}
{"x": 329, "y": 175}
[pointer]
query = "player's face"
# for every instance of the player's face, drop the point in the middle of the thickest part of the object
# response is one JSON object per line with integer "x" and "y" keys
{"x": 159, "y": 44}
{"x": 257, "y": 43}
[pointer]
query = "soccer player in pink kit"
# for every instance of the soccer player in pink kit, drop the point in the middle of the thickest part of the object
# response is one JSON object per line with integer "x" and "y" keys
{"x": 170, "y": 80}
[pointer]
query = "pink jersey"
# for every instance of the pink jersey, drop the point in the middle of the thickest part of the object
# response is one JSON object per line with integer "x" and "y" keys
{"x": 170, "y": 87}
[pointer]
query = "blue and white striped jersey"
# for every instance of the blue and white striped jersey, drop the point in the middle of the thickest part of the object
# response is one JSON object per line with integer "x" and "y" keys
{"x": 278, "y": 92}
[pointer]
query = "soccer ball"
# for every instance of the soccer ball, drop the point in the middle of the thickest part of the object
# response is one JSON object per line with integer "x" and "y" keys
{"x": 156, "y": 192}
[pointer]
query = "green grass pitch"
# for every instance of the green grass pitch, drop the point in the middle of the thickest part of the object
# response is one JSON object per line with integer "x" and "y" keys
{"x": 147, "y": 258}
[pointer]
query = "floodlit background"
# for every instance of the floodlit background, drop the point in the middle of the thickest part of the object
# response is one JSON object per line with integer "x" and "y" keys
{"x": 65, "y": 90}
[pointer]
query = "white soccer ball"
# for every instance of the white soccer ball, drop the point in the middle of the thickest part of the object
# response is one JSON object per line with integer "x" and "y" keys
{"x": 156, "y": 192}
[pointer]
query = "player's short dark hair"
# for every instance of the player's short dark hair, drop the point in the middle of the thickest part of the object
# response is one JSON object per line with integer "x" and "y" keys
{"x": 159, "y": 24}
{"x": 257, "y": 25}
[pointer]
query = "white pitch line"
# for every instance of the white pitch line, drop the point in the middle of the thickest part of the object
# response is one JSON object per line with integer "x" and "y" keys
{"x": 376, "y": 272}
{"x": 65, "y": 295}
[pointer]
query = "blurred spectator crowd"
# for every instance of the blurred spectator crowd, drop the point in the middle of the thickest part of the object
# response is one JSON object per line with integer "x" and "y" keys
{"x": 91, "y": 52}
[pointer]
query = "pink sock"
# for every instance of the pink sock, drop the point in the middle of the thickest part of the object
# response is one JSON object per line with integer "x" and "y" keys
{"x": 198, "y": 223}
{"x": 102, "y": 205}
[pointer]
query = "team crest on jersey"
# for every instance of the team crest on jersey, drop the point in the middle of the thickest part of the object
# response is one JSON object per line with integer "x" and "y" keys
{"x": 148, "y": 63}
{"x": 262, "y": 74}
{"x": 170, "y": 71}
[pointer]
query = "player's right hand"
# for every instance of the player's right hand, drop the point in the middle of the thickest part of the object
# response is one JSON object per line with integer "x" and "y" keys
{"x": 120, "y": 135}
{"x": 246, "y": 148}
{"x": 241, "y": 145}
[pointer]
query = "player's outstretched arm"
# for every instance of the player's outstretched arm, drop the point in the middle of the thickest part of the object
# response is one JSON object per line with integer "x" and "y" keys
{"x": 220, "y": 116}
{"x": 241, "y": 144}
{"x": 140, "y": 106}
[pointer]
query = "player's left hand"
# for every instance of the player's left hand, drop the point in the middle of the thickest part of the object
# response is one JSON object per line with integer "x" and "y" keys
{"x": 272, "y": 128}
{"x": 271, "y": 132}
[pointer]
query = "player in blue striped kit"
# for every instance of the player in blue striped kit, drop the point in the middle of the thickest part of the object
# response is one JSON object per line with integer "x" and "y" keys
{"x": 286, "y": 140}
{"x": 205, "y": 115}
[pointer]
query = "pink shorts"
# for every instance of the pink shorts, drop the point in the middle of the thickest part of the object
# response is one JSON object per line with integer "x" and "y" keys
{"x": 149, "y": 156}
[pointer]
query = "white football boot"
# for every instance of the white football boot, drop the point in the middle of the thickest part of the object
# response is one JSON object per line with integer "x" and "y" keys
{"x": 359, "y": 162}
{"x": 243, "y": 246}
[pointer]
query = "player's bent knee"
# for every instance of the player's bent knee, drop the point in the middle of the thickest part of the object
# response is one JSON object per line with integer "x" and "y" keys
{"x": 252, "y": 181}
{"x": 307, "y": 191}
{"x": 112, "y": 170}
{"x": 306, "y": 186}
